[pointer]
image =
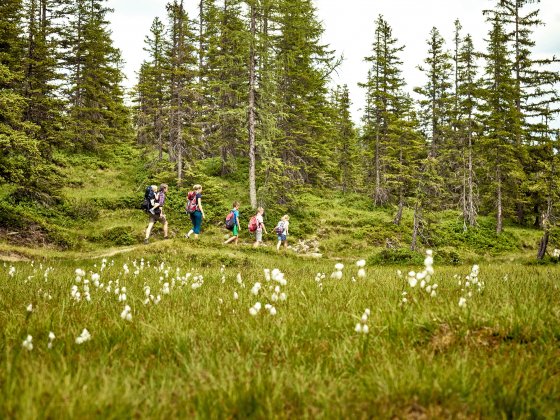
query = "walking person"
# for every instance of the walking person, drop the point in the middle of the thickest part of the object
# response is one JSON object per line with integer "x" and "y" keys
{"x": 236, "y": 227}
{"x": 158, "y": 215}
{"x": 195, "y": 210}
{"x": 281, "y": 230}
{"x": 260, "y": 227}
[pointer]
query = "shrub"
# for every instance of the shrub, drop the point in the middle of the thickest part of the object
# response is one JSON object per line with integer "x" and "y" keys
{"x": 396, "y": 256}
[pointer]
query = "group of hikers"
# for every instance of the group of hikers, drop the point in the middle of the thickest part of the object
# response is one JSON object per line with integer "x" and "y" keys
{"x": 154, "y": 201}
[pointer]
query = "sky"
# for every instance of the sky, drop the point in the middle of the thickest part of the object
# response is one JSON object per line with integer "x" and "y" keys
{"x": 349, "y": 29}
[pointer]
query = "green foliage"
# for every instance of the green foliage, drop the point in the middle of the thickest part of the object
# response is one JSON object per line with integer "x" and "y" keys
{"x": 396, "y": 256}
{"x": 82, "y": 210}
{"x": 121, "y": 235}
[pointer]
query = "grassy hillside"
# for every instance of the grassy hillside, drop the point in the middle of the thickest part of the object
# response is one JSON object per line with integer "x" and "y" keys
{"x": 97, "y": 209}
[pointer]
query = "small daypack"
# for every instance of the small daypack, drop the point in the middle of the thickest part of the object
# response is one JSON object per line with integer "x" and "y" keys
{"x": 191, "y": 205}
{"x": 149, "y": 195}
{"x": 279, "y": 229}
{"x": 253, "y": 224}
{"x": 230, "y": 221}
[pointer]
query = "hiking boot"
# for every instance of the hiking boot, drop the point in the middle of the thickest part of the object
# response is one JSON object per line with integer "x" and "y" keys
{"x": 146, "y": 241}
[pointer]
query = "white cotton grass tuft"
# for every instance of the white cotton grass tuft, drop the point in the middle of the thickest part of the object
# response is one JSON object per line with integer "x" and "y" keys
{"x": 361, "y": 272}
{"x": 361, "y": 263}
{"x": 30, "y": 308}
{"x": 83, "y": 337}
{"x": 254, "y": 310}
{"x": 51, "y": 339}
{"x": 336, "y": 275}
{"x": 126, "y": 313}
{"x": 362, "y": 327}
{"x": 256, "y": 288}
{"x": 28, "y": 343}
{"x": 339, "y": 266}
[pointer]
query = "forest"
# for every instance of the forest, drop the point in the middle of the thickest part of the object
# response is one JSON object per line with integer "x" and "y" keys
{"x": 248, "y": 84}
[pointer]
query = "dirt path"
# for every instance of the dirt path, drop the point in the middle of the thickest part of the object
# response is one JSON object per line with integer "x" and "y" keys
{"x": 12, "y": 256}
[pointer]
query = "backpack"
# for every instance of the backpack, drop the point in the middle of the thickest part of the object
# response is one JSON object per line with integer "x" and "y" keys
{"x": 253, "y": 224}
{"x": 149, "y": 195}
{"x": 230, "y": 221}
{"x": 191, "y": 205}
{"x": 279, "y": 229}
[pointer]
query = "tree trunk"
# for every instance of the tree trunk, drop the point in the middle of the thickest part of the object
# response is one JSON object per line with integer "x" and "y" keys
{"x": 251, "y": 116}
{"x": 499, "y": 215}
{"x": 415, "y": 226}
{"x": 398, "y": 216}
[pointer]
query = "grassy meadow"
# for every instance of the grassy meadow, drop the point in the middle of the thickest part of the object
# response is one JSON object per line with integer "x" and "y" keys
{"x": 180, "y": 328}
{"x": 199, "y": 350}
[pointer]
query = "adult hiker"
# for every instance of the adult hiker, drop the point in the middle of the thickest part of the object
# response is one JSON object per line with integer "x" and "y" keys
{"x": 158, "y": 215}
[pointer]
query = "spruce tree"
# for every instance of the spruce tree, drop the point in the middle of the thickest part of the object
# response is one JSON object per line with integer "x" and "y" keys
{"x": 347, "y": 151}
{"x": 20, "y": 157}
{"x": 501, "y": 124}
{"x": 436, "y": 98}
{"x": 41, "y": 76}
{"x": 383, "y": 95}
{"x": 181, "y": 52}
{"x": 152, "y": 90}
{"x": 465, "y": 125}
{"x": 304, "y": 65}
{"x": 96, "y": 108}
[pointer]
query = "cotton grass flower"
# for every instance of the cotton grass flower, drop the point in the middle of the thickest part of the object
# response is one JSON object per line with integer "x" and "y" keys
{"x": 361, "y": 273}
{"x": 256, "y": 288}
{"x": 361, "y": 263}
{"x": 30, "y": 308}
{"x": 83, "y": 337}
{"x": 51, "y": 339}
{"x": 125, "y": 314}
{"x": 337, "y": 275}
{"x": 28, "y": 343}
{"x": 462, "y": 302}
{"x": 235, "y": 296}
{"x": 11, "y": 273}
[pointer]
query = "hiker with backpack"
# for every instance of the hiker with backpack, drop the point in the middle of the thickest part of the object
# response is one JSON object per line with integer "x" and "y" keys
{"x": 158, "y": 216}
{"x": 232, "y": 223}
{"x": 281, "y": 231}
{"x": 194, "y": 210}
{"x": 256, "y": 226}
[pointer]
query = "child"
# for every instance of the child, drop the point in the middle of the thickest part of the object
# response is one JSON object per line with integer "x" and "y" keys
{"x": 154, "y": 199}
{"x": 235, "y": 231}
{"x": 282, "y": 231}
{"x": 260, "y": 227}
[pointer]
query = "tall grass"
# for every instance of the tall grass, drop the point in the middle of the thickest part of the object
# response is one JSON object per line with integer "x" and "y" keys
{"x": 199, "y": 353}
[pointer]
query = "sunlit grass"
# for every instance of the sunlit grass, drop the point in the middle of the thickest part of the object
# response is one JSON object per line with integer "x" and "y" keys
{"x": 200, "y": 351}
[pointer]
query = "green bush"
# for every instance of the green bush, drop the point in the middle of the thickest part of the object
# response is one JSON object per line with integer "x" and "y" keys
{"x": 396, "y": 256}
{"x": 84, "y": 210}
{"x": 121, "y": 235}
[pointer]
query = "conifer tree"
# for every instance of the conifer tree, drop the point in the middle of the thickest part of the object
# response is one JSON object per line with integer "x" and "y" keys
{"x": 304, "y": 65}
{"x": 96, "y": 108}
{"x": 44, "y": 108}
{"x": 182, "y": 60}
{"x": 464, "y": 124}
{"x": 347, "y": 151}
{"x": 19, "y": 149}
{"x": 501, "y": 121}
{"x": 153, "y": 90}
{"x": 227, "y": 79}
{"x": 383, "y": 95}
{"x": 535, "y": 91}
{"x": 436, "y": 93}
